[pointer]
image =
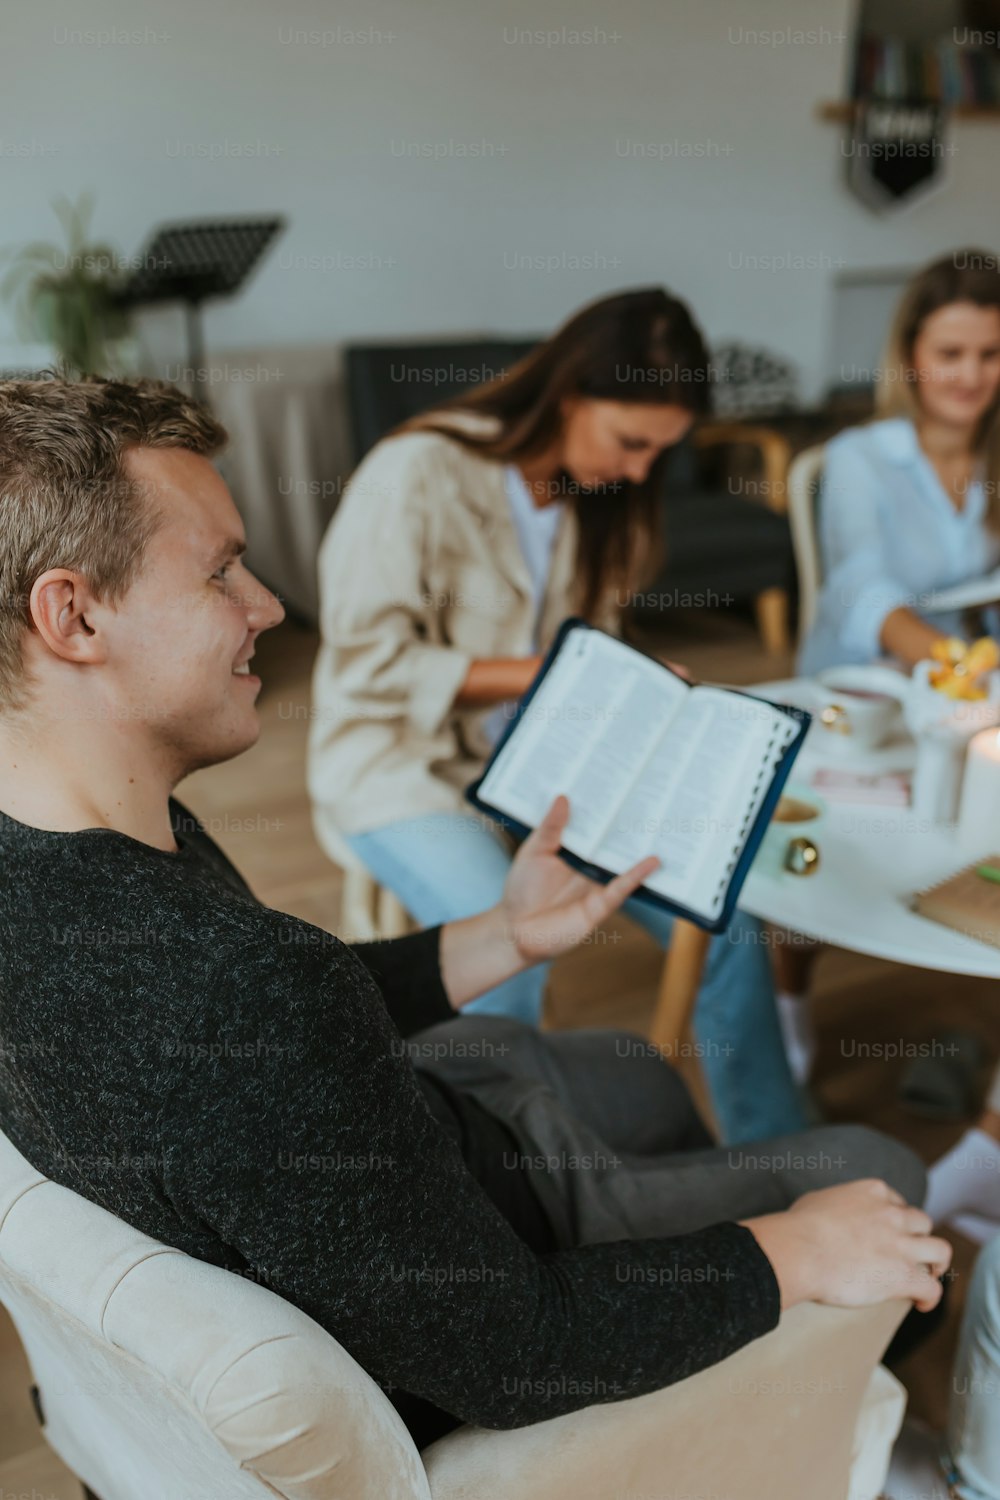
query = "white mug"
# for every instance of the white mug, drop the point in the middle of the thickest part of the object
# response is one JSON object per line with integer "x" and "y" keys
{"x": 858, "y": 707}
{"x": 798, "y": 815}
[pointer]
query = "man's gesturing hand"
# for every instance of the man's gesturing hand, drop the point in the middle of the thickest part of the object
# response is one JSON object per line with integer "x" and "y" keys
{"x": 547, "y": 906}
{"x": 852, "y": 1246}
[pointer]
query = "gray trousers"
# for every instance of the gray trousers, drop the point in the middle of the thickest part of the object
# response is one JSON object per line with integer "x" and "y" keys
{"x": 615, "y": 1147}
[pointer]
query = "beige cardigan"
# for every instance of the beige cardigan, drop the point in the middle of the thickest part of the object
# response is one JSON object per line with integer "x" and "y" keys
{"x": 420, "y": 572}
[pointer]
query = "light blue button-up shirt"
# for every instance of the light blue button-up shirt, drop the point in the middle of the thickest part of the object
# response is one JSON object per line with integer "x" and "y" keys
{"x": 889, "y": 537}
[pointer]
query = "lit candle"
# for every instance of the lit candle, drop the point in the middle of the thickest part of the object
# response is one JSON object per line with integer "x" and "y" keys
{"x": 979, "y": 810}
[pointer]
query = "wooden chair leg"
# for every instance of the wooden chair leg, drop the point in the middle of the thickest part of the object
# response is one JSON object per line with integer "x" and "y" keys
{"x": 359, "y": 906}
{"x": 671, "y": 1029}
{"x": 393, "y": 918}
{"x": 772, "y": 610}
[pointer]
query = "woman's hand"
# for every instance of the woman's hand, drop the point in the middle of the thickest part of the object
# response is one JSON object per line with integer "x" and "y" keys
{"x": 908, "y": 637}
{"x": 501, "y": 679}
{"x": 547, "y": 906}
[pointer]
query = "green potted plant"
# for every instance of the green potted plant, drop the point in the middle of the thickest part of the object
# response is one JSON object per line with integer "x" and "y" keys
{"x": 65, "y": 295}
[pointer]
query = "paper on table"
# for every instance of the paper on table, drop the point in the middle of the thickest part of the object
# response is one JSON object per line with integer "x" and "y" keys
{"x": 964, "y": 595}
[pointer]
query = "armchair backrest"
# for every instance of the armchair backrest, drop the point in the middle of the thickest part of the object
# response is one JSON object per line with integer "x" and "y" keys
{"x": 389, "y": 383}
{"x": 161, "y": 1375}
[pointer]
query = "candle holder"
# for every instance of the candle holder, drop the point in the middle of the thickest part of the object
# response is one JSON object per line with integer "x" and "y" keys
{"x": 937, "y": 775}
{"x": 943, "y": 728}
{"x": 978, "y": 828}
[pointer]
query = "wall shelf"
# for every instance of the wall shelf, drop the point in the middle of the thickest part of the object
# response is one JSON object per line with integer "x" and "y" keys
{"x": 842, "y": 110}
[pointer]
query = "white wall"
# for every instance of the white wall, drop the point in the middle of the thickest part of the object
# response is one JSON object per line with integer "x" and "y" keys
{"x": 440, "y": 245}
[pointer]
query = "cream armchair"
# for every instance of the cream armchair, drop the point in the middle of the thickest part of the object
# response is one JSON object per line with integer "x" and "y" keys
{"x": 163, "y": 1378}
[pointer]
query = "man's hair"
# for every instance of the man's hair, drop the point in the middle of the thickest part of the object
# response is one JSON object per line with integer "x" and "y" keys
{"x": 66, "y": 499}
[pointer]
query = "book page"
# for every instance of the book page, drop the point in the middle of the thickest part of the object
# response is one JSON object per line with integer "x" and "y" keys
{"x": 970, "y": 595}
{"x": 699, "y": 795}
{"x": 586, "y": 732}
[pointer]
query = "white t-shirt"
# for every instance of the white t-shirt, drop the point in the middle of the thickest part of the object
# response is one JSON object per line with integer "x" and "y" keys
{"x": 537, "y": 528}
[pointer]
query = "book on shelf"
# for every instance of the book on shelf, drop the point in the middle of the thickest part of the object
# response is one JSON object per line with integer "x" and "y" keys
{"x": 945, "y": 71}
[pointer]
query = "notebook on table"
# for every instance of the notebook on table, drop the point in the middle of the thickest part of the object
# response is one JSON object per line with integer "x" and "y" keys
{"x": 969, "y": 901}
{"x": 651, "y": 764}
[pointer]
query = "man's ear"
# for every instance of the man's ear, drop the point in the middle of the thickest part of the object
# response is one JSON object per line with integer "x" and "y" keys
{"x": 62, "y": 609}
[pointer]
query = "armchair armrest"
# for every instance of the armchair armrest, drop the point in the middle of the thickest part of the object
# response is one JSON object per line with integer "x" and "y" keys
{"x": 774, "y": 449}
{"x": 777, "y": 1418}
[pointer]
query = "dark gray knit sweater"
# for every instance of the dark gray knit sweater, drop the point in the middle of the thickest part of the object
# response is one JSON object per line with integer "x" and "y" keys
{"x": 230, "y": 1080}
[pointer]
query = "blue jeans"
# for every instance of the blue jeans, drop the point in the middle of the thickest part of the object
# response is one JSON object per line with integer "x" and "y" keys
{"x": 972, "y": 1444}
{"x": 449, "y": 865}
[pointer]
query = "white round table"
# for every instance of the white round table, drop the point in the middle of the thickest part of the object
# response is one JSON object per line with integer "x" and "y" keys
{"x": 872, "y": 860}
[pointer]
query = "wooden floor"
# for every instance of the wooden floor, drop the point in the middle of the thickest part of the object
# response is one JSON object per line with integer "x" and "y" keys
{"x": 257, "y": 810}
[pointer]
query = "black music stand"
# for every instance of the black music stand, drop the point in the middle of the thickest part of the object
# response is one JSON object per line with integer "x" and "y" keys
{"x": 191, "y": 262}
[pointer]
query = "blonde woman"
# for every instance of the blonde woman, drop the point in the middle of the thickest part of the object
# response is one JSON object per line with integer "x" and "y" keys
{"x": 911, "y": 503}
{"x": 461, "y": 544}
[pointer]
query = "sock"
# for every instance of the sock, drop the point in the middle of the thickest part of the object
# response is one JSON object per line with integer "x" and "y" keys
{"x": 916, "y": 1472}
{"x": 966, "y": 1180}
{"x": 797, "y": 1034}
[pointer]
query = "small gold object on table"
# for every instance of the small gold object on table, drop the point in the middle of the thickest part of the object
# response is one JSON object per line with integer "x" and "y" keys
{"x": 801, "y": 857}
{"x": 789, "y": 846}
{"x": 836, "y": 718}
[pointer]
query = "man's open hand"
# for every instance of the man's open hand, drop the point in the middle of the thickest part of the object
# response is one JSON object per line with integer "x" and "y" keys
{"x": 547, "y": 906}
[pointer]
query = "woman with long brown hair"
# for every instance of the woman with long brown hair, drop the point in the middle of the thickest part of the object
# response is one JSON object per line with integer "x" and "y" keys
{"x": 910, "y": 503}
{"x": 462, "y": 542}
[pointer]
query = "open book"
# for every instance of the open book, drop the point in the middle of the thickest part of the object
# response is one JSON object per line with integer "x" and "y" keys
{"x": 970, "y": 595}
{"x": 651, "y": 765}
